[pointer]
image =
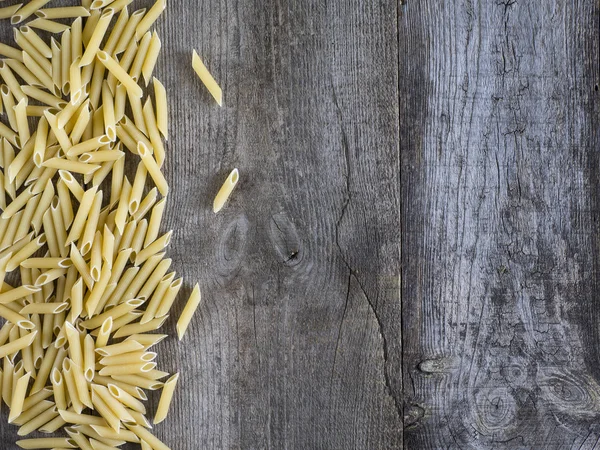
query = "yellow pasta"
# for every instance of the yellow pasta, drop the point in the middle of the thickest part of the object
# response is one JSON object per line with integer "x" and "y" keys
{"x": 109, "y": 112}
{"x": 32, "y": 51}
{"x": 11, "y": 81}
{"x": 162, "y": 113}
{"x": 18, "y": 397}
{"x": 132, "y": 87}
{"x": 153, "y": 132}
{"x": 151, "y": 58}
{"x": 165, "y": 399}
{"x": 22, "y": 123}
{"x": 18, "y": 67}
{"x": 188, "y": 312}
{"x": 138, "y": 62}
{"x": 17, "y": 344}
{"x": 90, "y": 25}
{"x": 117, "y": 31}
{"x": 8, "y": 11}
{"x": 77, "y": 295}
{"x": 75, "y": 81}
{"x": 87, "y": 238}
{"x": 153, "y": 14}
{"x": 48, "y": 25}
{"x": 65, "y": 61}
{"x": 36, "y": 41}
{"x": 153, "y": 169}
{"x": 157, "y": 246}
{"x": 206, "y": 78}
{"x": 225, "y": 191}
{"x": 24, "y": 12}
{"x": 93, "y": 45}
{"x": 46, "y": 443}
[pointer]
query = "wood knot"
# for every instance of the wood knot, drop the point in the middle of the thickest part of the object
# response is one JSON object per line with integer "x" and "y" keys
{"x": 286, "y": 240}
{"x": 438, "y": 365}
{"x": 494, "y": 411}
{"x": 413, "y": 414}
{"x": 231, "y": 247}
{"x": 570, "y": 393}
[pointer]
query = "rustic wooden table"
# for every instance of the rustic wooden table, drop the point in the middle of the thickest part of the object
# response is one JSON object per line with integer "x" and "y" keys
{"x": 467, "y": 132}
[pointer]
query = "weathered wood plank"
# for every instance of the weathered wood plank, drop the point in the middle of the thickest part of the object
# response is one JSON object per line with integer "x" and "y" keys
{"x": 297, "y": 342}
{"x": 500, "y": 214}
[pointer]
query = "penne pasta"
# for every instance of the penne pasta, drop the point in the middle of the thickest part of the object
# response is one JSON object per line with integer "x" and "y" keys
{"x": 48, "y": 25}
{"x": 206, "y": 78}
{"x": 162, "y": 112}
{"x": 153, "y": 133}
{"x": 225, "y": 191}
{"x": 151, "y": 58}
{"x": 153, "y": 169}
{"x": 65, "y": 12}
{"x": 93, "y": 45}
{"x": 129, "y": 31}
{"x": 24, "y": 12}
{"x": 188, "y": 312}
{"x": 151, "y": 16}
{"x": 166, "y": 398}
{"x": 120, "y": 74}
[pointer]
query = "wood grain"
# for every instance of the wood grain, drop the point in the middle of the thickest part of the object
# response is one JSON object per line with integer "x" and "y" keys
{"x": 499, "y": 138}
{"x": 297, "y": 341}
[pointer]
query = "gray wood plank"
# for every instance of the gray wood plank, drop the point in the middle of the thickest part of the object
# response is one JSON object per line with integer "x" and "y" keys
{"x": 499, "y": 135}
{"x": 297, "y": 341}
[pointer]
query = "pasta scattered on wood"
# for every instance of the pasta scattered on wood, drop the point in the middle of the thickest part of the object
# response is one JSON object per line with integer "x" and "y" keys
{"x": 94, "y": 280}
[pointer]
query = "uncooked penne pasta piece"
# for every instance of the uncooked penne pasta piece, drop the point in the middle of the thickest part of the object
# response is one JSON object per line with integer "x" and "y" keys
{"x": 153, "y": 169}
{"x": 79, "y": 438}
{"x": 89, "y": 358}
{"x": 165, "y": 399}
{"x": 22, "y": 123}
{"x": 18, "y": 397}
{"x": 225, "y": 191}
{"x": 104, "y": 410}
{"x": 157, "y": 246}
{"x": 18, "y": 344}
{"x": 78, "y": 226}
{"x": 136, "y": 328}
{"x": 27, "y": 10}
{"x": 83, "y": 419}
{"x": 148, "y": 437}
{"x": 128, "y": 32}
{"x": 44, "y": 308}
{"x": 162, "y": 111}
{"x": 39, "y": 44}
{"x": 87, "y": 237}
{"x": 46, "y": 443}
{"x": 151, "y": 16}
{"x": 136, "y": 66}
{"x": 115, "y": 68}
{"x": 17, "y": 293}
{"x": 65, "y": 12}
{"x": 153, "y": 133}
{"x": 48, "y": 25}
{"x": 188, "y": 311}
{"x": 206, "y": 78}
{"x": 58, "y": 387}
{"x": 151, "y": 57}
{"x": 8, "y": 11}
{"x": 93, "y": 45}
{"x": 126, "y": 435}
{"x": 117, "y": 30}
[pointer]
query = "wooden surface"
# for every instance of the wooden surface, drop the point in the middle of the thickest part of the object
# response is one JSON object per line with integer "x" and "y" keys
{"x": 297, "y": 341}
{"x": 467, "y": 132}
{"x": 499, "y": 123}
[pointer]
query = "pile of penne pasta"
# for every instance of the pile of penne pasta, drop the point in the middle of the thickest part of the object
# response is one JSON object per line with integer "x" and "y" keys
{"x": 82, "y": 239}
